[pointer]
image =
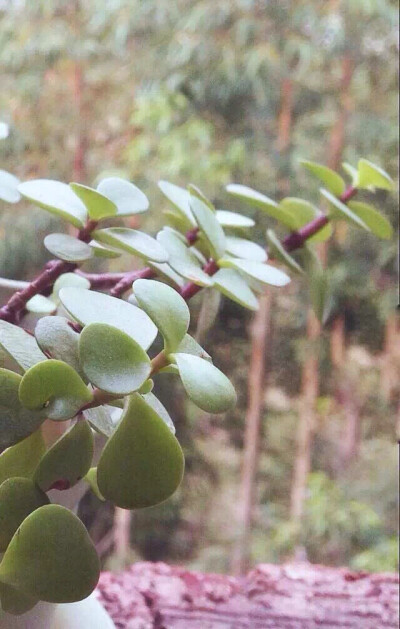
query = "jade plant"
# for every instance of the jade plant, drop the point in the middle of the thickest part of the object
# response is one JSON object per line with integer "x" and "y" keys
{"x": 89, "y": 365}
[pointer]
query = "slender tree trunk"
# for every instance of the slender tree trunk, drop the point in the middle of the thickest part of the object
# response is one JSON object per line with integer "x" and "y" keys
{"x": 256, "y": 386}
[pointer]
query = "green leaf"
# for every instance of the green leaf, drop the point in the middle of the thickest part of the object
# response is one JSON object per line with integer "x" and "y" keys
{"x": 334, "y": 182}
{"x": 16, "y": 421}
{"x": 18, "y": 498}
{"x": 92, "y": 307}
{"x": 160, "y": 409}
{"x": 100, "y": 419}
{"x": 51, "y": 557}
{"x": 180, "y": 198}
{"x": 204, "y": 384}
{"x": 261, "y": 201}
{"x": 242, "y": 248}
{"x": 318, "y": 284}
{"x": 100, "y": 251}
{"x": 126, "y": 196}
{"x": 68, "y": 459}
{"x": 55, "y": 387}
{"x": 69, "y": 280}
{"x": 41, "y": 305}
{"x": 177, "y": 221}
{"x": 232, "y": 285}
{"x": 182, "y": 259}
{"x": 22, "y": 458}
{"x": 20, "y": 345}
{"x": 189, "y": 345}
{"x": 378, "y": 224}
{"x": 55, "y": 197}
{"x": 233, "y": 220}
{"x": 133, "y": 241}
{"x": 91, "y": 479}
{"x": 352, "y": 172}
{"x": 342, "y": 210}
{"x": 168, "y": 273}
{"x": 210, "y": 227}
{"x": 264, "y": 273}
{"x": 55, "y": 336}
{"x": 112, "y": 360}
{"x": 146, "y": 387}
{"x": 97, "y": 205}
{"x": 302, "y": 212}
{"x": 166, "y": 308}
{"x": 280, "y": 253}
{"x": 9, "y": 187}
{"x": 196, "y": 192}
{"x": 15, "y": 602}
{"x": 67, "y": 248}
{"x": 371, "y": 176}
{"x": 142, "y": 463}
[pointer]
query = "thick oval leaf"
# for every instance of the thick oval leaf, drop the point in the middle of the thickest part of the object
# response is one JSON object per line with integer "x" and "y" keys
{"x": 210, "y": 227}
{"x": 22, "y": 458}
{"x": 16, "y": 422}
{"x": 352, "y": 172}
{"x": 92, "y": 307}
{"x": 334, "y": 182}
{"x": 233, "y": 220}
{"x": 69, "y": 280}
{"x": 91, "y": 479}
{"x": 68, "y": 459}
{"x": 280, "y": 253}
{"x": 342, "y": 210}
{"x": 97, "y": 205}
{"x": 189, "y": 345}
{"x": 146, "y": 387}
{"x": 264, "y": 273}
{"x": 160, "y": 409}
{"x": 372, "y": 176}
{"x": 41, "y": 305}
{"x": 18, "y": 498}
{"x": 57, "y": 198}
{"x": 261, "y": 201}
{"x": 100, "y": 251}
{"x": 51, "y": 557}
{"x": 126, "y": 196}
{"x": 194, "y": 191}
{"x": 14, "y": 601}
{"x": 9, "y": 187}
{"x": 182, "y": 259}
{"x": 232, "y": 285}
{"x": 378, "y": 224}
{"x": 142, "y": 463}
{"x": 300, "y": 210}
{"x": 180, "y": 198}
{"x": 205, "y": 385}
{"x": 242, "y": 248}
{"x": 55, "y": 336}
{"x": 55, "y": 387}
{"x": 67, "y": 248}
{"x": 112, "y": 360}
{"x": 167, "y": 272}
{"x": 100, "y": 419}
{"x": 166, "y": 308}
{"x": 133, "y": 241}
{"x": 20, "y": 345}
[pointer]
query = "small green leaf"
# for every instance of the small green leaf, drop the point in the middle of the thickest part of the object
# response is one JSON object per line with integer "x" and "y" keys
{"x": 91, "y": 479}
{"x": 133, "y": 241}
{"x": 56, "y": 387}
{"x": 261, "y": 201}
{"x": 146, "y": 387}
{"x": 231, "y": 284}
{"x": 112, "y": 360}
{"x": 242, "y": 248}
{"x": 142, "y": 463}
{"x": 334, "y": 182}
{"x": 280, "y": 253}
{"x": 22, "y": 458}
{"x": 16, "y": 421}
{"x": 180, "y": 198}
{"x": 20, "y": 345}
{"x": 160, "y": 409}
{"x": 302, "y": 212}
{"x": 189, "y": 345}
{"x": 18, "y": 498}
{"x": 166, "y": 308}
{"x": 264, "y": 273}
{"x": 69, "y": 280}
{"x": 55, "y": 336}
{"x": 55, "y": 197}
{"x": 51, "y": 557}
{"x": 233, "y": 220}
{"x": 196, "y": 192}
{"x": 378, "y": 224}
{"x": 67, "y": 248}
{"x": 371, "y": 176}
{"x": 177, "y": 221}
{"x": 318, "y": 285}
{"x": 41, "y": 305}
{"x": 182, "y": 259}
{"x": 126, "y": 196}
{"x": 167, "y": 272}
{"x": 97, "y": 205}
{"x": 100, "y": 419}
{"x": 68, "y": 459}
{"x": 342, "y": 210}
{"x": 92, "y": 307}
{"x": 210, "y": 227}
{"x": 9, "y": 187}
{"x": 352, "y": 172}
{"x": 100, "y": 251}
{"x": 205, "y": 385}
{"x": 15, "y": 602}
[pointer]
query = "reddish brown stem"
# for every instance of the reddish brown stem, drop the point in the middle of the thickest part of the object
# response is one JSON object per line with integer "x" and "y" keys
{"x": 126, "y": 282}
{"x": 190, "y": 289}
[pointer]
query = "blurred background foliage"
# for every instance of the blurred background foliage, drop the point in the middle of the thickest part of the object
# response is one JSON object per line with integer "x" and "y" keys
{"x": 211, "y": 93}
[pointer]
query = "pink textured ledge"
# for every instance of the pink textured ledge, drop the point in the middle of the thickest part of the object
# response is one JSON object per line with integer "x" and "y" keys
{"x": 292, "y": 596}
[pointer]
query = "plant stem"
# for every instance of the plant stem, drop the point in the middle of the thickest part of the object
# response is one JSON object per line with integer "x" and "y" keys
{"x": 125, "y": 283}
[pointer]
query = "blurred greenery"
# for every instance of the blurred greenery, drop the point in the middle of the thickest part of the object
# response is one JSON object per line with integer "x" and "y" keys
{"x": 193, "y": 92}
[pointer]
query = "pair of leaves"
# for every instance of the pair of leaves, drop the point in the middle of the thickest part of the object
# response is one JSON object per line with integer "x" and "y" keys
{"x": 182, "y": 259}
{"x": 264, "y": 273}
{"x": 133, "y": 241}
